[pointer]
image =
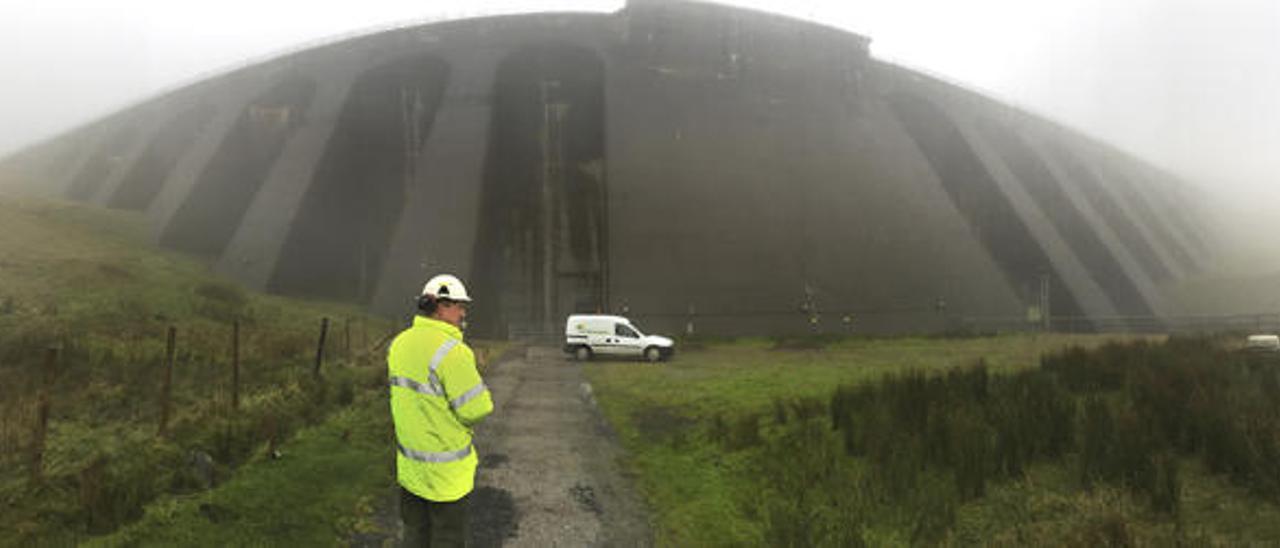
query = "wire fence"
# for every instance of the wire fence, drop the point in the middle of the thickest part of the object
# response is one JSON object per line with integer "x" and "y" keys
{"x": 181, "y": 370}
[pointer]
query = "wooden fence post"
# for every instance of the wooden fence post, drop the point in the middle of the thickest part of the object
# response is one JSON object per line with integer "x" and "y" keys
{"x": 167, "y": 389}
{"x": 42, "y": 415}
{"x": 364, "y": 336}
{"x": 324, "y": 331}
{"x": 346, "y": 339}
{"x": 235, "y": 366}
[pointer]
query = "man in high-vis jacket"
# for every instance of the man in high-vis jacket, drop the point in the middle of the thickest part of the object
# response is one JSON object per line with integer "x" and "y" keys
{"x": 437, "y": 396}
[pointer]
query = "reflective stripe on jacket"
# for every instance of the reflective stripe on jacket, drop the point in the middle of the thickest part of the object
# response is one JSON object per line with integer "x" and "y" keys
{"x": 436, "y": 396}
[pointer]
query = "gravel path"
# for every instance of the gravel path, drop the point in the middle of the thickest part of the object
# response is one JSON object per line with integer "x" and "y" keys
{"x": 549, "y": 473}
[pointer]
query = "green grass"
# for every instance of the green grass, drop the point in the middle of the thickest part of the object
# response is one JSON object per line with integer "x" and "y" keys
{"x": 712, "y": 479}
{"x": 89, "y": 283}
{"x": 313, "y": 495}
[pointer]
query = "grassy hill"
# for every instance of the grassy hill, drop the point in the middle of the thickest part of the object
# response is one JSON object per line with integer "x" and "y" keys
{"x": 297, "y": 460}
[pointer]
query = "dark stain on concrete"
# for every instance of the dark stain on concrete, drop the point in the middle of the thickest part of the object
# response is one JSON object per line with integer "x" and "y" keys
{"x": 493, "y": 517}
{"x": 585, "y": 496}
{"x": 496, "y": 460}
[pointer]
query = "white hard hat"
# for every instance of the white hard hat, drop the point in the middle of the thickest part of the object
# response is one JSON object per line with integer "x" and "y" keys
{"x": 446, "y": 286}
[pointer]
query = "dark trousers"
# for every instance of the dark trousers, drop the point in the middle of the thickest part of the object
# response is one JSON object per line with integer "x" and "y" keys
{"x": 430, "y": 523}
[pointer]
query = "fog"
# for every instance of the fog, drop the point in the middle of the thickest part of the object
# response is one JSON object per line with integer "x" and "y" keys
{"x": 1188, "y": 85}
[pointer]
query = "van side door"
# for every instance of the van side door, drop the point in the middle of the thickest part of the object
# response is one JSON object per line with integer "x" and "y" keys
{"x": 627, "y": 340}
{"x": 599, "y": 334}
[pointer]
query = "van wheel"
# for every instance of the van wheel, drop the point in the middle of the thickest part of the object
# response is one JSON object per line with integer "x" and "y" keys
{"x": 653, "y": 354}
{"x": 582, "y": 354}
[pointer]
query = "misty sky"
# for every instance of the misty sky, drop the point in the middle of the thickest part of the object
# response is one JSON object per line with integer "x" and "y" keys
{"x": 1190, "y": 85}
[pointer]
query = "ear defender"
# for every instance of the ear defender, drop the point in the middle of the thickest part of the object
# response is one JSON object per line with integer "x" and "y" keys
{"x": 427, "y": 304}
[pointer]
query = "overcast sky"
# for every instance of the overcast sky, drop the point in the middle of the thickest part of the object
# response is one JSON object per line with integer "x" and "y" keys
{"x": 1190, "y": 85}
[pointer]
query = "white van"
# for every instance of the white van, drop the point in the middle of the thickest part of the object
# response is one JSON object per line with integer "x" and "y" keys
{"x": 1263, "y": 343}
{"x": 589, "y": 335}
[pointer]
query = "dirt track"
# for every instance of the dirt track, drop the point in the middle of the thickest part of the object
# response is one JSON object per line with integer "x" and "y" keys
{"x": 549, "y": 473}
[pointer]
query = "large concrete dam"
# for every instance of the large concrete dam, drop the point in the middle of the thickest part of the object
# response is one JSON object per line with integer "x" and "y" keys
{"x": 678, "y": 161}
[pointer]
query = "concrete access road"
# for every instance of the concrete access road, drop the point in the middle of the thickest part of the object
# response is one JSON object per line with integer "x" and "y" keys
{"x": 549, "y": 463}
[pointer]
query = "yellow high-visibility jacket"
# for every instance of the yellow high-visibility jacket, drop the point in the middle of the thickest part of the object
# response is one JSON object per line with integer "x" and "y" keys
{"x": 436, "y": 397}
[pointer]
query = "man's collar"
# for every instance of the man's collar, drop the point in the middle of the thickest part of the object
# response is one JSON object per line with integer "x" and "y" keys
{"x": 448, "y": 328}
